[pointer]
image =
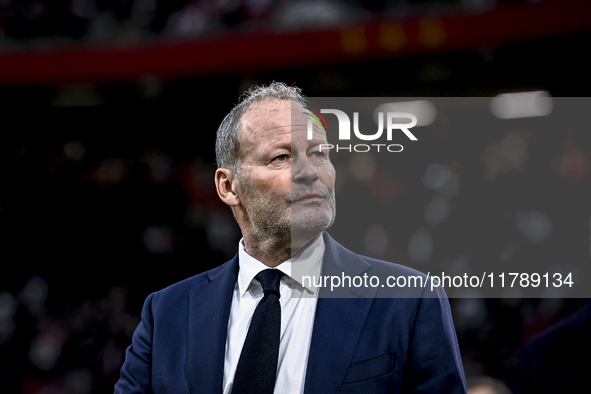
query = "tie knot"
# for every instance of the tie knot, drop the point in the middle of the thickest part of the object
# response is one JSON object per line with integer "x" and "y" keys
{"x": 270, "y": 279}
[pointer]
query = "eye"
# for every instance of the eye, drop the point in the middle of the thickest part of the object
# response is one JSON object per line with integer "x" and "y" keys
{"x": 318, "y": 154}
{"x": 281, "y": 158}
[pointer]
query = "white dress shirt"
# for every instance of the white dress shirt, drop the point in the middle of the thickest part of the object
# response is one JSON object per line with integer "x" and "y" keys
{"x": 298, "y": 306}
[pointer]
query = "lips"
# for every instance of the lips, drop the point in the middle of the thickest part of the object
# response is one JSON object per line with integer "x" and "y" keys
{"x": 309, "y": 198}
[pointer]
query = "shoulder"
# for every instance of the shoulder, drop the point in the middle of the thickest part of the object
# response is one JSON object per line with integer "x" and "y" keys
{"x": 389, "y": 280}
{"x": 567, "y": 342}
{"x": 337, "y": 251}
{"x": 390, "y": 268}
{"x": 559, "y": 337}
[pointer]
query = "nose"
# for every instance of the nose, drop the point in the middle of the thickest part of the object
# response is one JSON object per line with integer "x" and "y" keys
{"x": 304, "y": 172}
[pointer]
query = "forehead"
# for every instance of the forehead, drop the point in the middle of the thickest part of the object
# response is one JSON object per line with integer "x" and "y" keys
{"x": 271, "y": 114}
{"x": 275, "y": 118}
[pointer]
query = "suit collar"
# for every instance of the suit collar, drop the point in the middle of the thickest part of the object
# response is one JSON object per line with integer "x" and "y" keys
{"x": 339, "y": 261}
{"x": 209, "y": 311}
{"x": 338, "y": 321}
{"x": 342, "y": 258}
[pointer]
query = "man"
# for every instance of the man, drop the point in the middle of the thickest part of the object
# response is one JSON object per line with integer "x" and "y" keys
{"x": 557, "y": 360}
{"x": 250, "y": 325}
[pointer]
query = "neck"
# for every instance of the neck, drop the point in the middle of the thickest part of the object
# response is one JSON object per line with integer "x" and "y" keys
{"x": 274, "y": 251}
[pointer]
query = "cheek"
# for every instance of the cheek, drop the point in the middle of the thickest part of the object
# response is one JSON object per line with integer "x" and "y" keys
{"x": 328, "y": 177}
{"x": 284, "y": 183}
{"x": 279, "y": 183}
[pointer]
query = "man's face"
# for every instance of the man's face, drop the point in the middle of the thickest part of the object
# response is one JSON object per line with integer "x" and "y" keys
{"x": 287, "y": 183}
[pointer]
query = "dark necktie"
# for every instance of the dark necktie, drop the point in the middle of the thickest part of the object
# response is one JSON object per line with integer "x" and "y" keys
{"x": 257, "y": 367}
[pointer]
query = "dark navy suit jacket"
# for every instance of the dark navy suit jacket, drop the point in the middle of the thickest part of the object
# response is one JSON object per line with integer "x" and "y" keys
{"x": 365, "y": 343}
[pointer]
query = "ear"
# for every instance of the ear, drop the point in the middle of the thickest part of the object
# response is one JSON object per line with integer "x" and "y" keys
{"x": 225, "y": 185}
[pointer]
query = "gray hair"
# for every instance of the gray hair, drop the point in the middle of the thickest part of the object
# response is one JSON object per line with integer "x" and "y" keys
{"x": 227, "y": 144}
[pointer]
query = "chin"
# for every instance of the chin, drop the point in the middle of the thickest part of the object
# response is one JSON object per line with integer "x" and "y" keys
{"x": 311, "y": 224}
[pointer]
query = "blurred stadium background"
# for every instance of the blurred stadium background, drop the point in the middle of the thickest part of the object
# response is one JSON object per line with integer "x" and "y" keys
{"x": 106, "y": 179}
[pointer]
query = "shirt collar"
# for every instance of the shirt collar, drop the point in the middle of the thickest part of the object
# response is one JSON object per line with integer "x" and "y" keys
{"x": 308, "y": 262}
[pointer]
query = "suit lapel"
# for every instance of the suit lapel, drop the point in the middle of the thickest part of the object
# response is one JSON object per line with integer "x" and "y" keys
{"x": 338, "y": 321}
{"x": 209, "y": 311}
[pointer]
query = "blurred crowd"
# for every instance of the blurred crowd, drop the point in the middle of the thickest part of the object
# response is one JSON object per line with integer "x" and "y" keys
{"x": 46, "y": 21}
{"x": 71, "y": 290}
{"x": 78, "y": 349}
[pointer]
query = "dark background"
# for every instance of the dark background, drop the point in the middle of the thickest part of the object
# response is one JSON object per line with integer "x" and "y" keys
{"x": 106, "y": 175}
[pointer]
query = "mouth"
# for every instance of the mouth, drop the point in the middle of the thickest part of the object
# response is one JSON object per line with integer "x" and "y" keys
{"x": 312, "y": 197}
